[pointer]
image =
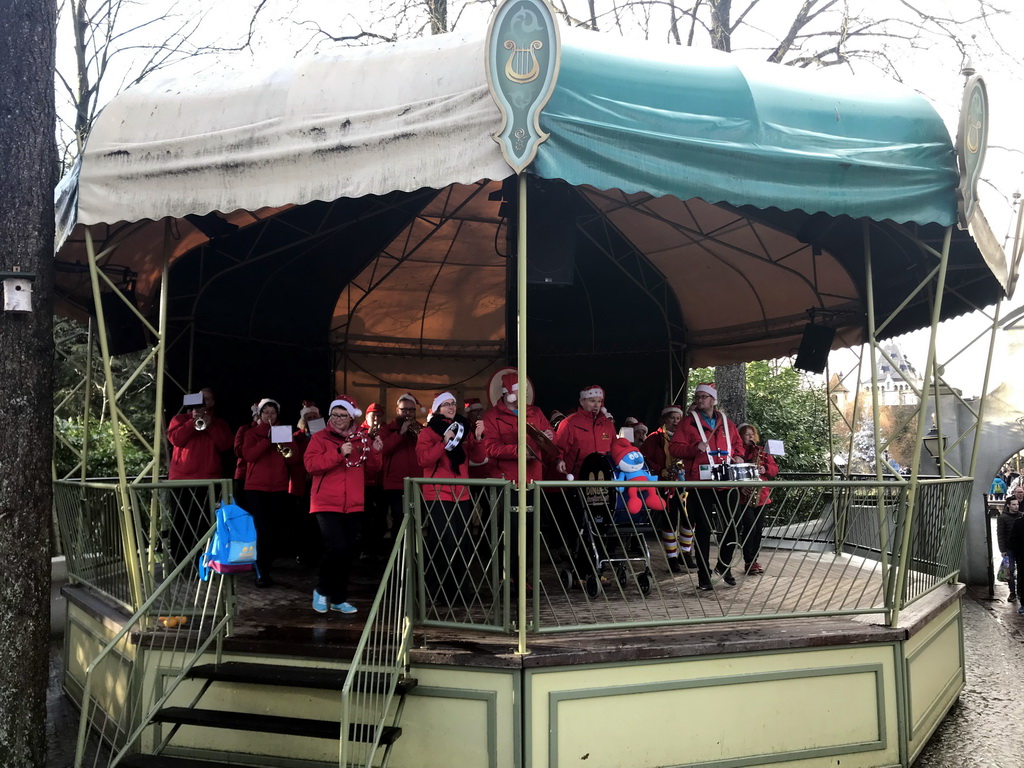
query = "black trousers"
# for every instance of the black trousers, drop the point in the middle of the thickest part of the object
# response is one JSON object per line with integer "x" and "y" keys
{"x": 751, "y": 529}
{"x": 340, "y": 531}
{"x": 269, "y": 510}
{"x": 704, "y": 502}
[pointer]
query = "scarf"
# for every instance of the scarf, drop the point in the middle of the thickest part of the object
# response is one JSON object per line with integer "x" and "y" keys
{"x": 456, "y": 454}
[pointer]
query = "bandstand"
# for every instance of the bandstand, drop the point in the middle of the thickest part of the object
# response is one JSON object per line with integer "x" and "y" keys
{"x": 352, "y": 224}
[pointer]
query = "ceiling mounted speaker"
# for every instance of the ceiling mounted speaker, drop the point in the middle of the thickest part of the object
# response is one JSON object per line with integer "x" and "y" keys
{"x": 815, "y": 345}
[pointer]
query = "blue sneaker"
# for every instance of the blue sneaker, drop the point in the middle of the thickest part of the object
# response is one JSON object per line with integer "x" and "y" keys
{"x": 346, "y": 608}
{"x": 1021, "y": 610}
{"x": 319, "y": 602}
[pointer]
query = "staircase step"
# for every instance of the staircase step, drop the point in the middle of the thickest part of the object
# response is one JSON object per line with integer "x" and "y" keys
{"x": 289, "y": 676}
{"x": 292, "y": 726}
{"x": 163, "y": 761}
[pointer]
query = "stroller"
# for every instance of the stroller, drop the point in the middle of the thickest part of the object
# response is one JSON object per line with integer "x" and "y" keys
{"x": 610, "y": 537}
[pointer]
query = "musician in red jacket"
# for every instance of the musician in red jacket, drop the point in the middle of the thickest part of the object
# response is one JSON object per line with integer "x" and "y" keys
{"x": 337, "y": 459}
{"x": 399, "y": 456}
{"x": 501, "y": 435}
{"x": 444, "y": 449}
{"x": 266, "y": 486}
{"x": 198, "y": 437}
{"x": 589, "y": 430}
{"x": 756, "y": 500}
{"x": 705, "y": 437}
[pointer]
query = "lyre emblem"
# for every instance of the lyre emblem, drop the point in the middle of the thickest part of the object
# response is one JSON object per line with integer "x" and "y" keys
{"x": 522, "y": 65}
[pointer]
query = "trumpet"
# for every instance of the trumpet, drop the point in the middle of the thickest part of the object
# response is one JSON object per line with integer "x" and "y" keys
{"x": 285, "y": 449}
{"x": 414, "y": 428}
{"x": 200, "y": 424}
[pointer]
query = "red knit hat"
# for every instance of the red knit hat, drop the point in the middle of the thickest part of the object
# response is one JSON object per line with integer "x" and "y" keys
{"x": 374, "y": 408}
{"x": 473, "y": 404}
{"x": 619, "y": 448}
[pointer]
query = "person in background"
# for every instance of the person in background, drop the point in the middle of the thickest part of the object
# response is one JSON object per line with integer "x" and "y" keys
{"x": 1015, "y": 547}
{"x": 399, "y": 456}
{"x": 474, "y": 410}
{"x": 444, "y": 449}
{"x": 266, "y": 486}
{"x": 589, "y": 430}
{"x": 706, "y": 437}
{"x": 998, "y": 489}
{"x": 337, "y": 458}
{"x": 755, "y": 501}
{"x": 674, "y": 526}
{"x": 373, "y": 539}
{"x": 198, "y": 437}
{"x": 238, "y": 481}
{"x": 303, "y": 530}
{"x": 1004, "y": 528}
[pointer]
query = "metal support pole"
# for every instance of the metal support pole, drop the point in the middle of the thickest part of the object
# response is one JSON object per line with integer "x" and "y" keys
{"x": 903, "y": 562}
{"x": 523, "y": 405}
{"x": 87, "y": 402}
{"x": 127, "y": 519}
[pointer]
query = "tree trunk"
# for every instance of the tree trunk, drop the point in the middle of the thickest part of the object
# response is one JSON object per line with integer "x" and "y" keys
{"x": 721, "y": 25}
{"x": 731, "y": 381}
{"x": 438, "y": 16}
{"x": 28, "y": 166}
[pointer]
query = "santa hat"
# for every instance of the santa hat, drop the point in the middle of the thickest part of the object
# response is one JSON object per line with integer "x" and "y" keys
{"x": 619, "y": 448}
{"x": 510, "y": 385}
{"x": 441, "y": 397}
{"x": 592, "y": 390}
{"x": 255, "y": 411}
{"x": 348, "y": 404}
{"x": 671, "y": 409}
{"x": 374, "y": 408}
{"x": 407, "y": 396}
{"x": 308, "y": 407}
{"x": 473, "y": 404}
{"x": 267, "y": 401}
{"x": 708, "y": 389}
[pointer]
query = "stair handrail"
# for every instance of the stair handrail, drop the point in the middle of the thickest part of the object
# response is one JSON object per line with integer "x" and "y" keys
{"x": 143, "y": 620}
{"x": 378, "y": 666}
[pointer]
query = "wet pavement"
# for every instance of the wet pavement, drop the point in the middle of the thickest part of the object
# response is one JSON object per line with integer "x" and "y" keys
{"x": 985, "y": 729}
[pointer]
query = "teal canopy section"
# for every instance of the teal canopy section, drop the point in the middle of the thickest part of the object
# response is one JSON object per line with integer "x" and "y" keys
{"x": 696, "y": 123}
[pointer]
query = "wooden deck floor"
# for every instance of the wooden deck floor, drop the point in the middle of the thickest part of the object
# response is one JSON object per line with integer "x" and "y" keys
{"x": 280, "y": 619}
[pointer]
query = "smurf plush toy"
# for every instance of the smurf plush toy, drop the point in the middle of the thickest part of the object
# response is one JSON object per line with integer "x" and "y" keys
{"x": 629, "y": 466}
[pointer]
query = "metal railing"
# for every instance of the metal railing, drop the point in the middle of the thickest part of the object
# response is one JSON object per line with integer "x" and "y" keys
{"x": 172, "y": 630}
{"x": 123, "y": 554}
{"x": 827, "y": 548}
{"x": 380, "y": 660}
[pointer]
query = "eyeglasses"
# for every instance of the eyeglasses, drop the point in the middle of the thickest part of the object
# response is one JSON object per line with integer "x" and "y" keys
{"x": 449, "y": 404}
{"x": 407, "y": 410}
{"x": 703, "y": 396}
{"x": 340, "y": 416}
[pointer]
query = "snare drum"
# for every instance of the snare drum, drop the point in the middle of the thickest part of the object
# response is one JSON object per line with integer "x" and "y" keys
{"x": 741, "y": 471}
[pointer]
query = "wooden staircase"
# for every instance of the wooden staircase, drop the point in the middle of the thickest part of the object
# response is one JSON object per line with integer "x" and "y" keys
{"x": 272, "y": 676}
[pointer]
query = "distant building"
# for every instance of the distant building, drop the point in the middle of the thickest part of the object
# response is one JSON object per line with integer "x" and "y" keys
{"x": 898, "y": 380}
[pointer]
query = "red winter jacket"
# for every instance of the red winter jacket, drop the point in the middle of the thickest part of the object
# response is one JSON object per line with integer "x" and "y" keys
{"x": 195, "y": 455}
{"x": 684, "y": 443}
{"x": 240, "y": 464}
{"x": 337, "y": 480}
{"x": 399, "y": 455}
{"x": 654, "y": 452}
{"x": 298, "y": 478}
{"x": 436, "y": 462}
{"x": 501, "y": 442}
{"x": 582, "y": 434}
{"x": 267, "y": 469}
{"x": 754, "y": 454}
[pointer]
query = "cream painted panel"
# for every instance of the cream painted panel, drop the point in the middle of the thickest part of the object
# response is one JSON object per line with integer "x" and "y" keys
{"x": 802, "y": 708}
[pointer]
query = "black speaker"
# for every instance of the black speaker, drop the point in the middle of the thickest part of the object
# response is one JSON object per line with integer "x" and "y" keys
{"x": 550, "y": 233}
{"x": 814, "y": 348}
{"x": 125, "y": 331}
